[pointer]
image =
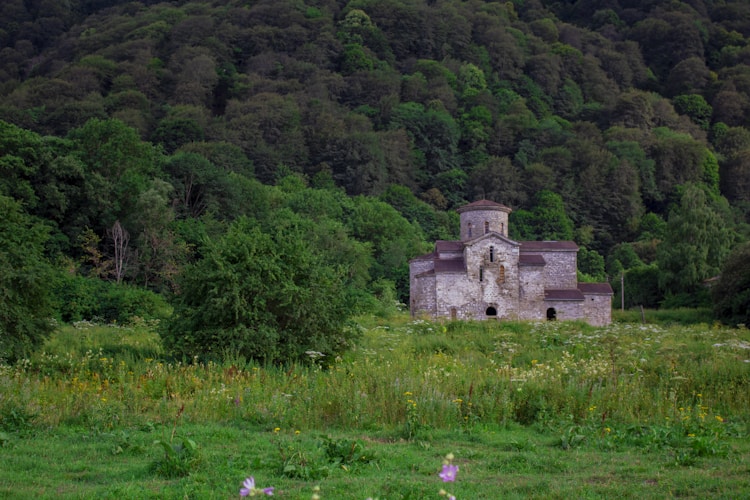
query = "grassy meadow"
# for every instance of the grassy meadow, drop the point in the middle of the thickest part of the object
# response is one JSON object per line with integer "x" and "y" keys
{"x": 528, "y": 410}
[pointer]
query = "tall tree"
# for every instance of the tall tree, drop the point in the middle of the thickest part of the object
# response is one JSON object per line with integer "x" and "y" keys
{"x": 731, "y": 294}
{"x": 697, "y": 241}
{"x": 25, "y": 276}
{"x": 546, "y": 221}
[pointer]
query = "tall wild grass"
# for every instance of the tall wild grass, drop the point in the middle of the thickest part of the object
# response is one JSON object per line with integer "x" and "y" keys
{"x": 404, "y": 375}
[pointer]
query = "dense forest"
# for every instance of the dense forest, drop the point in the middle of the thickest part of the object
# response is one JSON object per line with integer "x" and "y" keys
{"x": 142, "y": 142}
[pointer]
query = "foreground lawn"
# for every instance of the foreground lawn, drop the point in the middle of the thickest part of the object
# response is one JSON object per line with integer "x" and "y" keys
{"x": 502, "y": 463}
{"x": 528, "y": 410}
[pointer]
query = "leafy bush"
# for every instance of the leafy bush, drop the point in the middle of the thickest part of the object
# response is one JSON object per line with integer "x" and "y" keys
{"x": 79, "y": 298}
{"x": 267, "y": 296}
{"x": 179, "y": 460}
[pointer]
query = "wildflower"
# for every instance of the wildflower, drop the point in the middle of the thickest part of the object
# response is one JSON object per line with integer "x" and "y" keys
{"x": 249, "y": 489}
{"x": 448, "y": 474}
{"x": 277, "y": 429}
{"x": 718, "y": 417}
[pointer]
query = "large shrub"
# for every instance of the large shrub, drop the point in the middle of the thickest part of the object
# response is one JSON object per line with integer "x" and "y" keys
{"x": 265, "y": 295}
{"x": 80, "y": 298}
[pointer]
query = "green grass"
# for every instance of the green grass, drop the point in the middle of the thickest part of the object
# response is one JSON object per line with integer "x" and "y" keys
{"x": 511, "y": 462}
{"x": 530, "y": 410}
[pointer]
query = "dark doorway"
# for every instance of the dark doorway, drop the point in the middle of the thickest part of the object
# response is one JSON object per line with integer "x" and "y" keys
{"x": 454, "y": 313}
{"x": 551, "y": 314}
{"x": 491, "y": 311}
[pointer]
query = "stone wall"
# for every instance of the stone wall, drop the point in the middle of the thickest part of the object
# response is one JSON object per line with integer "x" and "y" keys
{"x": 565, "y": 310}
{"x": 560, "y": 272}
{"x": 531, "y": 292}
{"x": 422, "y": 296}
{"x": 598, "y": 309}
{"x": 454, "y": 290}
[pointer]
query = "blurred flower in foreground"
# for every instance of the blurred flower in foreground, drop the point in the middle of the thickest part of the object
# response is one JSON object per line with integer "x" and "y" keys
{"x": 249, "y": 489}
{"x": 448, "y": 474}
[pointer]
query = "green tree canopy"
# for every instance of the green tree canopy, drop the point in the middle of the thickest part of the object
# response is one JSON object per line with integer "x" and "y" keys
{"x": 697, "y": 241}
{"x": 731, "y": 294}
{"x": 25, "y": 276}
{"x": 546, "y": 221}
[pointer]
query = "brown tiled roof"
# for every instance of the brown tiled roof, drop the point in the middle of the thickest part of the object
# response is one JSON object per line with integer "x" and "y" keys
{"x": 542, "y": 246}
{"x": 567, "y": 294}
{"x": 449, "y": 246}
{"x": 483, "y": 204}
{"x": 427, "y": 256}
{"x": 595, "y": 288}
{"x": 531, "y": 260}
{"x": 450, "y": 266}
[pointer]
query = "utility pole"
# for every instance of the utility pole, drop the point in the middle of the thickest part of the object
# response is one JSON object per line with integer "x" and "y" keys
{"x": 622, "y": 291}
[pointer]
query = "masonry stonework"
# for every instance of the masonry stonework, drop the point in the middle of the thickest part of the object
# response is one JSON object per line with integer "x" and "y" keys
{"x": 486, "y": 275}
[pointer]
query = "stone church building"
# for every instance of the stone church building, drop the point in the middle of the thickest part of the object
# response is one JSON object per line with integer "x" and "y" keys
{"x": 486, "y": 275}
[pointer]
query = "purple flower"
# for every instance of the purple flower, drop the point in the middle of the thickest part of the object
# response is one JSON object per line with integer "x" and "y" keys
{"x": 249, "y": 489}
{"x": 448, "y": 475}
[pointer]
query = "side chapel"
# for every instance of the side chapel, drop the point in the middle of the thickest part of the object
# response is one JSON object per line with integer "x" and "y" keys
{"x": 486, "y": 275}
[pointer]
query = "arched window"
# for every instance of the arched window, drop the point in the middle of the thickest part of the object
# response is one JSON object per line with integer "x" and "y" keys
{"x": 469, "y": 231}
{"x": 454, "y": 313}
{"x": 481, "y": 273}
{"x": 491, "y": 311}
{"x": 502, "y": 228}
{"x": 501, "y": 274}
{"x": 486, "y": 227}
{"x": 492, "y": 254}
{"x": 551, "y": 314}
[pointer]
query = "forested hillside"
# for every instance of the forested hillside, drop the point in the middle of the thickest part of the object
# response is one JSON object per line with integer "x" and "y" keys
{"x": 138, "y": 131}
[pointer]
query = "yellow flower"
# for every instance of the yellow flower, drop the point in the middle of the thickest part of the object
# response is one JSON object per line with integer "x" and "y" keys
{"x": 277, "y": 429}
{"x": 407, "y": 393}
{"x": 718, "y": 417}
{"x": 691, "y": 435}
